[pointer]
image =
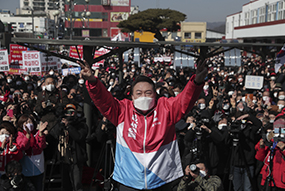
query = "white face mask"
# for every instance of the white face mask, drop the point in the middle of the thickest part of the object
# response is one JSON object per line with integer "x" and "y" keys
{"x": 50, "y": 87}
{"x": 202, "y": 106}
{"x": 243, "y": 99}
{"x": 226, "y": 107}
{"x": 202, "y": 173}
{"x": 176, "y": 93}
{"x": 144, "y": 103}
{"x": 111, "y": 83}
{"x": 133, "y": 70}
{"x": 254, "y": 101}
{"x": 206, "y": 87}
{"x": 271, "y": 121}
{"x": 230, "y": 93}
{"x": 9, "y": 80}
{"x": 265, "y": 98}
{"x": 43, "y": 88}
{"x": 280, "y": 106}
{"x": 3, "y": 136}
{"x": 220, "y": 126}
{"x": 281, "y": 97}
{"x": 240, "y": 109}
{"x": 81, "y": 81}
{"x": 275, "y": 94}
{"x": 51, "y": 73}
{"x": 27, "y": 78}
{"x": 30, "y": 126}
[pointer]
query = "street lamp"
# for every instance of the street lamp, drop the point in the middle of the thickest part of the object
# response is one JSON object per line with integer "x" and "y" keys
{"x": 70, "y": 17}
{"x": 32, "y": 10}
{"x": 56, "y": 14}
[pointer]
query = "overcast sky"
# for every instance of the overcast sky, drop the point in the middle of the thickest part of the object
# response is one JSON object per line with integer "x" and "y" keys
{"x": 196, "y": 10}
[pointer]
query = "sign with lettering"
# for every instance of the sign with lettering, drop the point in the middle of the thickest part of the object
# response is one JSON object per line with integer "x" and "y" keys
{"x": 254, "y": 82}
{"x": 4, "y": 61}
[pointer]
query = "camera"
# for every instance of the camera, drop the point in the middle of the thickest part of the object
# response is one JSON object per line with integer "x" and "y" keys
{"x": 194, "y": 168}
{"x": 16, "y": 181}
{"x": 48, "y": 103}
{"x": 280, "y": 134}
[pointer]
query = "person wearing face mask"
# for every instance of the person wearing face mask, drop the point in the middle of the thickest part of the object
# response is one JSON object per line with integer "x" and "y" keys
{"x": 14, "y": 180}
{"x": 244, "y": 162}
{"x": 32, "y": 142}
{"x": 50, "y": 103}
{"x": 71, "y": 135}
{"x": 207, "y": 93}
{"x": 147, "y": 154}
{"x": 8, "y": 149}
{"x": 197, "y": 178}
{"x": 49, "y": 100}
{"x": 271, "y": 151}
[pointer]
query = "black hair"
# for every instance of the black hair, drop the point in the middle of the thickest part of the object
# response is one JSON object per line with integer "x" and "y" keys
{"x": 13, "y": 167}
{"x": 142, "y": 78}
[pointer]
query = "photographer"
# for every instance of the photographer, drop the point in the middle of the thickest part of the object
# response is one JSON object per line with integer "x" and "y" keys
{"x": 13, "y": 180}
{"x": 48, "y": 107}
{"x": 243, "y": 132}
{"x": 72, "y": 132}
{"x": 203, "y": 141}
{"x": 272, "y": 155}
{"x": 197, "y": 178}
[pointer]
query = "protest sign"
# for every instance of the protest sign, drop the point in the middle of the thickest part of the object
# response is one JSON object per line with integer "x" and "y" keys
{"x": 4, "y": 61}
{"x": 253, "y": 82}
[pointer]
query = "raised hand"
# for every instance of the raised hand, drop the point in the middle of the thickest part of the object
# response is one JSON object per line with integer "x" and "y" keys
{"x": 42, "y": 128}
{"x": 86, "y": 72}
{"x": 201, "y": 72}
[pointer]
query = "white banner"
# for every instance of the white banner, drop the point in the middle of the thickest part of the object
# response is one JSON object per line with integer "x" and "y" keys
{"x": 120, "y": 2}
{"x": 50, "y": 62}
{"x": 254, "y": 82}
{"x": 4, "y": 61}
{"x": 31, "y": 61}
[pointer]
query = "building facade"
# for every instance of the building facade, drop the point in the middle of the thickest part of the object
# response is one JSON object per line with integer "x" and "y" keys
{"x": 258, "y": 21}
{"x": 95, "y": 18}
{"x": 189, "y": 32}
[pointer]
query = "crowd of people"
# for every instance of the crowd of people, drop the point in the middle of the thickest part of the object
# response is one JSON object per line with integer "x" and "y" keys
{"x": 230, "y": 134}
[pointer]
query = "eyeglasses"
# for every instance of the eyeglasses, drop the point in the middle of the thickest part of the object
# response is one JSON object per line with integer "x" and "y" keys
{"x": 69, "y": 112}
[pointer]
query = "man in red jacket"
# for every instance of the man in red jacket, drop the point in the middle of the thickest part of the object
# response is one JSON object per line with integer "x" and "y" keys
{"x": 273, "y": 157}
{"x": 147, "y": 154}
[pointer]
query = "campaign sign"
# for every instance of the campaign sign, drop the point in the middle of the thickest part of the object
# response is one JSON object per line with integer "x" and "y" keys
{"x": 49, "y": 62}
{"x": 32, "y": 62}
{"x": 16, "y": 55}
{"x": 68, "y": 71}
{"x": 73, "y": 52}
{"x": 254, "y": 82}
{"x": 99, "y": 52}
{"x": 4, "y": 61}
{"x": 16, "y": 71}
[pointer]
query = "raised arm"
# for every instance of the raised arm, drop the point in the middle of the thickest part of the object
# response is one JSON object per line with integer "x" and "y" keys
{"x": 103, "y": 100}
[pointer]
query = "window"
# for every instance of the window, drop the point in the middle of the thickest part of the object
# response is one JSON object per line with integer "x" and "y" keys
{"x": 198, "y": 35}
{"x": 187, "y": 35}
{"x": 164, "y": 33}
{"x": 105, "y": 32}
{"x": 174, "y": 34}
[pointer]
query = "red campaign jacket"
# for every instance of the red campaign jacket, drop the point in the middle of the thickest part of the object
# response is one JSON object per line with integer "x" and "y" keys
{"x": 32, "y": 146}
{"x": 7, "y": 155}
{"x": 147, "y": 154}
{"x": 278, "y": 171}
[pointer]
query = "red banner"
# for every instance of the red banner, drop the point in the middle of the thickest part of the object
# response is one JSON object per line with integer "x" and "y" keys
{"x": 73, "y": 52}
{"x": 16, "y": 55}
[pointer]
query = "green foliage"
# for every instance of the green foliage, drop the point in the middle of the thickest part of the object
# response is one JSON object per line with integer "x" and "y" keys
{"x": 153, "y": 20}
